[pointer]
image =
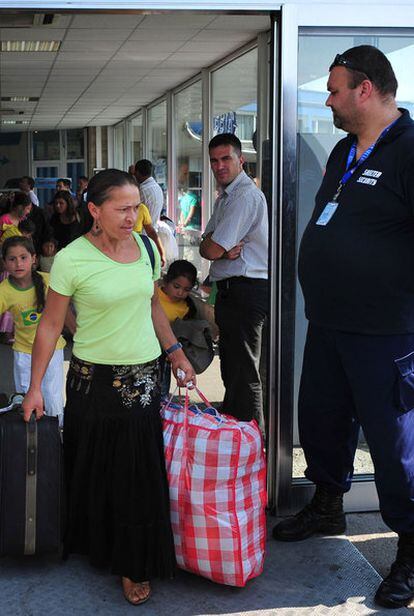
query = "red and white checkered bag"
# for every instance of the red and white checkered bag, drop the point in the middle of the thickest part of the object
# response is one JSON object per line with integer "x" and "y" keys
{"x": 217, "y": 476}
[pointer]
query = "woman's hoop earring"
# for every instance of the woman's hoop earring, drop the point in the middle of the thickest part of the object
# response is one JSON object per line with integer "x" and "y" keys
{"x": 96, "y": 229}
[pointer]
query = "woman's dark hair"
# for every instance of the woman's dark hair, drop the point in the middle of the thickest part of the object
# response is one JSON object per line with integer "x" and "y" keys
{"x": 103, "y": 182}
{"x": 181, "y": 267}
{"x": 66, "y": 196}
{"x": 39, "y": 285}
{"x": 20, "y": 201}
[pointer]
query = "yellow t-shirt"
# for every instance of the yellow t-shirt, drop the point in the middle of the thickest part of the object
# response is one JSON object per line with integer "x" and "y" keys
{"x": 9, "y": 231}
{"x": 144, "y": 218}
{"x": 173, "y": 310}
{"x": 22, "y": 304}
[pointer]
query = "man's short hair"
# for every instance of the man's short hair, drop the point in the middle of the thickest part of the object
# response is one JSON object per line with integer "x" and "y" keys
{"x": 64, "y": 181}
{"x": 144, "y": 167}
{"x": 29, "y": 180}
{"x": 368, "y": 61}
{"x": 226, "y": 139}
{"x": 84, "y": 178}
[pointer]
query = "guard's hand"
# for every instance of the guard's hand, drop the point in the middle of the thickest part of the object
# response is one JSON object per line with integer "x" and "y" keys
{"x": 33, "y": 401}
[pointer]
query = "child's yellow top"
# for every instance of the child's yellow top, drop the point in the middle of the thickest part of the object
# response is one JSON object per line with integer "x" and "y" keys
{"x": 22, "y": 304}
{"x": 173, "y": 310}
{"x": 9, "y": 231}
{"x": 144, "y": 218}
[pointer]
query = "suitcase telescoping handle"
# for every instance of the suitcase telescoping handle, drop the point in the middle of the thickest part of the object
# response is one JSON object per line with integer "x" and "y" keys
{"x": 31, "y": 486}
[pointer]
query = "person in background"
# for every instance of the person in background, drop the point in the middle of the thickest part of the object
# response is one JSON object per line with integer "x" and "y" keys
{"x": 25, "y": 228}
{"x": 49, "y": 250}
{"x": 174, "y": 297}
{"x": 190, "y": 211}
{"x": 144, "y": 222}
{"x": 118, "y": 503}
{"x": 151, "y": 192}
{"x": 236, "y": 242}
{"x": 65, "y": 223}
{"x": 23, "y": 293}
{"x": 82, "y": 189}
{"x": 19, "y": 208}
{"x": 26, "y": 185}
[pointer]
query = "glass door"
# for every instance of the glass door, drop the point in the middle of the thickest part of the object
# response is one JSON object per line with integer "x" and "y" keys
{"x": 316, "y": 137}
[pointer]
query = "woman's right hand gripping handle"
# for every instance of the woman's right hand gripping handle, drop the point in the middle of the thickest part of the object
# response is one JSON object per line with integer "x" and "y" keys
{"x": 33, "y": 401}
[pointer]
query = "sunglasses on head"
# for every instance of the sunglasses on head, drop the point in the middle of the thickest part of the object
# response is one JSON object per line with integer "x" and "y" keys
{"x": 341, "y": 60}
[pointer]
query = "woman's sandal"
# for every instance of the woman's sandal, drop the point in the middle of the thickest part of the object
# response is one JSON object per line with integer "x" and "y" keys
{"x": 136, "y": 592}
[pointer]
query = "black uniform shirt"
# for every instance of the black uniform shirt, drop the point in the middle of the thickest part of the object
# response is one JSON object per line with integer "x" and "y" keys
{"x": 357, "y": 272}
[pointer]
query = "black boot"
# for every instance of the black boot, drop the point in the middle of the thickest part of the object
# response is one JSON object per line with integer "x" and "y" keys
{"x": 324, "y": 514}
{"x": 397, "y": 590}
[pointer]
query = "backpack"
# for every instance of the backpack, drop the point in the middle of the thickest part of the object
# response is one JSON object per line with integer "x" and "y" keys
{"x": 195, "y": 336}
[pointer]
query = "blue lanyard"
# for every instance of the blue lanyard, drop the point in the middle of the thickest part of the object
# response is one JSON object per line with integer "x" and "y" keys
{"x": 351, "y": 156}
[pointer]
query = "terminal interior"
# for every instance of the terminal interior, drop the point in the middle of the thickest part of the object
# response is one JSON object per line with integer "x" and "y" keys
{"x": 85, "y": 90}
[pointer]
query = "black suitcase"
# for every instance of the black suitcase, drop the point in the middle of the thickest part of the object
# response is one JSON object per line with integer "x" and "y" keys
{"x": 30, "y": 484}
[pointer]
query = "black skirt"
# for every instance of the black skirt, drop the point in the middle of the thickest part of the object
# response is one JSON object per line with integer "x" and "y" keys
{"x": 118, "y": 505}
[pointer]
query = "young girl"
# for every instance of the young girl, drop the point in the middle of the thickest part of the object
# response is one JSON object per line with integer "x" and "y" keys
{"x": 19, "y": 207}
{"x": 173, "y": 294}
{"x": 23, "y": 293}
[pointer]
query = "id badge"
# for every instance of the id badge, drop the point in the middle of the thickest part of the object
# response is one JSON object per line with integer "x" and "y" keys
{"x": 328, "y": 212}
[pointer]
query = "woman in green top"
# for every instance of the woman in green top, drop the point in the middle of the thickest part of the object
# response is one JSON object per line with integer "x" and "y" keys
{"x": 118, "y": 509}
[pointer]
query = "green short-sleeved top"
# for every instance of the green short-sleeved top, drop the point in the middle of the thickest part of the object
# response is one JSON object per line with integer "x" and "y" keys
{"x": 112, "y": 302}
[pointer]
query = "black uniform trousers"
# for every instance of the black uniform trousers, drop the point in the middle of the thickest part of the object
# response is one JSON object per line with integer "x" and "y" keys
{"x": 240, "y": 310}
{"x": 351, "y": 380}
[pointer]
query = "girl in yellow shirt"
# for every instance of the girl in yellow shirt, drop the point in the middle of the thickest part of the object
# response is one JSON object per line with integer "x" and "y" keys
{"x": 174, "y": 297}
{"x": 23, "y": 293}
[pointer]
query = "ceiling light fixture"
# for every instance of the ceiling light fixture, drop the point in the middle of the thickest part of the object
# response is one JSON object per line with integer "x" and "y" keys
{"x": 15, "y": 122}
{"x": 30, "y": 46}
{"x": 19, "y": 99}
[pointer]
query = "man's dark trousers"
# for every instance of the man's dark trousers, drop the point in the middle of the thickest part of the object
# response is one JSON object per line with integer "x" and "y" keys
{"x": 240, "y": 310}
{"x": 352, "y": 380}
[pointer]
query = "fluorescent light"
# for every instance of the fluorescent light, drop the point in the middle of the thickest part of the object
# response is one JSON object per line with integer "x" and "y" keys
{"x": 30, "y": 46}
{"x": 20, "y": 99}
{"x": 15, "y": 122}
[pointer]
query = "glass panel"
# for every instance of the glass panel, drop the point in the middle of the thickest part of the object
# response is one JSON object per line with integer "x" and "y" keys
{"x": 135, "y": 145}
{"x": 46, "y": 145}
{"x": 235, "y": 104}
{"x": 47, "y": 188}
{"x": 316, "y": 138}
{"x": 74, "y": 143}
{"x": 189, "y": 165}
{"x": 157, "y": 143}
{"x": 119, "y": 146}
{"x": 74, "y": 170}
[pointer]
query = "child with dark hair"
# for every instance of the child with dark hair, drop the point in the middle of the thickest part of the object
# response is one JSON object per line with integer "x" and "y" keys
{"x": 19, "y": 208}
{"x": 23, "y": 293}
{"x": 174, "y": 297}
{"x": 49, "y": 250}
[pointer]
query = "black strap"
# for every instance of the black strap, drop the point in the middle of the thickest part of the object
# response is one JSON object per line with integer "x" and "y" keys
{"x": 150, "y": 250}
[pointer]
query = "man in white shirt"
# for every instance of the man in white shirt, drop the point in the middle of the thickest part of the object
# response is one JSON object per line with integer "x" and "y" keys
{"x": 26, "y": 185}
{"x": 236, "y": 243}
{"x": 151, "y": 192}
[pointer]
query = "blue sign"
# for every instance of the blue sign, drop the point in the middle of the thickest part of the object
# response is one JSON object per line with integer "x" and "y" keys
{"x": 47, "y": 182}
{"x": 225, "y": 123}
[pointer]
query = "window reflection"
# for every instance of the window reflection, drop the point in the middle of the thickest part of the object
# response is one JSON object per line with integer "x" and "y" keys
{"x": 189, "y": 165}
{"x": 157, "y": 143}
{"x": 235, "y": 104}
{"x": 316, "y": 138}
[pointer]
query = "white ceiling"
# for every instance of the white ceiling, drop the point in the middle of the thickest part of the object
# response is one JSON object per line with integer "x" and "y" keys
{"x": 110, "y": 64}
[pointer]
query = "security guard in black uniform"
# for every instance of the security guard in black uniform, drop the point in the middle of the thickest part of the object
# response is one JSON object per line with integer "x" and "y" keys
{"x": 356, "y": 269}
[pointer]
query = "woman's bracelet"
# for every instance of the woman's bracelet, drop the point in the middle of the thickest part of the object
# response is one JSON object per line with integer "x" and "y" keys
{"x": 173, "y": 348}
